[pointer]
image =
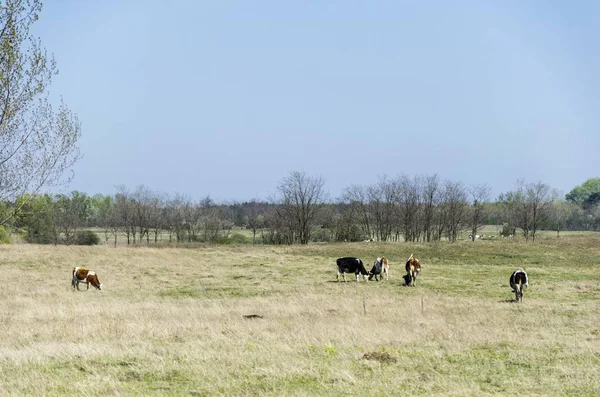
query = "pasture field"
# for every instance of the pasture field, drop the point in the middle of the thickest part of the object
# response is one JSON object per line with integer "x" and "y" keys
{"x": 272, "y": 321}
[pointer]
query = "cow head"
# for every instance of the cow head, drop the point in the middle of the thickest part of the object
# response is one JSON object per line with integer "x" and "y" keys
{"x": 93, "y": 280}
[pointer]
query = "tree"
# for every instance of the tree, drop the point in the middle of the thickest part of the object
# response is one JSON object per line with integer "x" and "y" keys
{"x": 454, "y": 203}
{"x": 430, "y": 200}
{"x": 37, "y": 144}
{"x": 123, "y": 210}
{"x": 528, "y": 207}
{"x": 479, "y": 195}
{"x": 586, "y": 195}
{"x": 254, "y": 218}
{"x": 300, "y": 198}
{"x": 356, "y": 198}
{"x": 539, "y": 198}
{"x": 70, "y": 213}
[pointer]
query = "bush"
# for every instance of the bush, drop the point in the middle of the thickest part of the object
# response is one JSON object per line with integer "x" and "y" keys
{"x": 86, "y": 237}
{"x": 235, "y": 238}
{"x": 4, "y": 236}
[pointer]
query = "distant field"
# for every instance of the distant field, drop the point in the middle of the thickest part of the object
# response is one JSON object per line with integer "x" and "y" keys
{"x": 170, "y": 321}
{"x": 488, "y": 230}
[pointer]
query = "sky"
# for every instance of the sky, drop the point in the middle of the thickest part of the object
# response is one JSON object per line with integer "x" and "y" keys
{"x": 227, "y": 98}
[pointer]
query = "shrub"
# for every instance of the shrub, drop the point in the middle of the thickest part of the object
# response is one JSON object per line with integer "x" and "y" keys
{"x": 238, "y": 238}
{"x": 4, "y": 236}
{"x": 235, "y": 238}
{"x": 86, "y": 237}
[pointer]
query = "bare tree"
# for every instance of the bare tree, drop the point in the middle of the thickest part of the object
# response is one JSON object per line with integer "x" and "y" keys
{"x": 410, "y": 203}
{"x": 430, "y": 201}
{"x": 529, "y": 206}
{"x": 479, "y": 195}
{"x": 254, "y": 218}
{"x": 356, "y": 197}
{"x": 453, "y": 205}
{"x": 300, "y": 197}
{"x": 382, "y": 202}
{"x": 37, "y": 145}
{"x": 539, "y": 199}
{"x": 124, "y": 212}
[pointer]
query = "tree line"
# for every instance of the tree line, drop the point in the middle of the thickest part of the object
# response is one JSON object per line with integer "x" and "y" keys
{"x": 414, "y": 209}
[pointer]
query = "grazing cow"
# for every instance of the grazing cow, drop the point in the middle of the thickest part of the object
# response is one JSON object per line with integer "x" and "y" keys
{"x": 351, "y": 265}
{"x": 82, "y": 275}
{"x": 413, "y": 267}
{"x": 381, "y": 267}
{"x": 518, "y": 282}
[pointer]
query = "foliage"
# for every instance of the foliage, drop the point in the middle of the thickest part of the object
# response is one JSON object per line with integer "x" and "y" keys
{"x": 4, "y": 235}
{"x": 86, "y": 237}
{"x": 587, "y": 194}
{"x": 35, "y": 216}
{"x": 237, "y": 238}
{"x": 37, "y": 144}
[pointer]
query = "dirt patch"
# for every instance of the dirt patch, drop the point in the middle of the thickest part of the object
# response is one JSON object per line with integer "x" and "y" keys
{"x": 252, "y": 316}
{"x": 381, "y": 357}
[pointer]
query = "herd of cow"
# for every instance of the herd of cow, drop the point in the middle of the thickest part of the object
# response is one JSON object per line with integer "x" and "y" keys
{"x": 518, "y": 280}
{"x": 381, "y": 268}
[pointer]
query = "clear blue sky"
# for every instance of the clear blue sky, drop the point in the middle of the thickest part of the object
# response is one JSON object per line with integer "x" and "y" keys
{"x": 227, "y": 97}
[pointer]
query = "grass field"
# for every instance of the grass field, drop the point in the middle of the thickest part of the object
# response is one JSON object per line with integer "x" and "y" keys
{"x": 173, "y": 321}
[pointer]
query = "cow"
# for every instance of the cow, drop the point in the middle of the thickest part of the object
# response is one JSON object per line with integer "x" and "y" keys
{"x": 519, "y": 281}
{"x": 413, "y": 267}
{"x": 351, "y": 265}
{"x": 381, "y": 267}
{"x": 82, "y": 275}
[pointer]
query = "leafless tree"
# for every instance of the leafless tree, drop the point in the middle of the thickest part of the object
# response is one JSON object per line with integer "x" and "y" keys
{"x": 140, "y": 202}
{"x": 124, "y": 212}
{"x": 157, "y": 213}
{"x": 480, "y": 194}
{"x": 430, "y": 200}
{"x": 254, "y": 218}
{"x": 410, "y": 194}
{"x": 37, "y": 144}
{"x": 299, "y": 199}
{"x": 356, "y": 198}
{"x": 382, "y": 203}
{"x": 454, "y": 203}
{"x": 539, "y": 198}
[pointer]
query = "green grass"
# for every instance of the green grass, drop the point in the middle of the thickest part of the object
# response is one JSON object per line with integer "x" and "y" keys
{"x": 272, "y": 321}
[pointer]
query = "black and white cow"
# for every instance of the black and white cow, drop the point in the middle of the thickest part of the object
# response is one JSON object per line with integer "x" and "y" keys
{"x": 518, "y": 282}
{"x": 351, "y": 265}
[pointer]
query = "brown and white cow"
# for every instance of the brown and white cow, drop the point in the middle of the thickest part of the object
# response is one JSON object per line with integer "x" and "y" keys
{"x": 413, "y": 267}
{"x": 381, "y": 268}
{"x": 83, "y": 275}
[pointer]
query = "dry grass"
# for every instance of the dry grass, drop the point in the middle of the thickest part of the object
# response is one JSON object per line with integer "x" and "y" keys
{"x": 271, "y": 321}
